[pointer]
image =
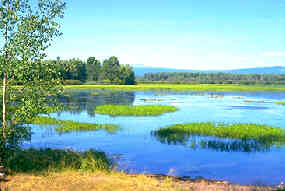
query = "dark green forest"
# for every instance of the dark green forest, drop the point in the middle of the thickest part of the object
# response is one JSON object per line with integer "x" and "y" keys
{"x": 212, "y": 78}
{"x": 76, "y": 71}
{"x": 110, "y": 71}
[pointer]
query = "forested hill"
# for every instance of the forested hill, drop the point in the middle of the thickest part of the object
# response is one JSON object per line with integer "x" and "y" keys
{"x": 140, "y": 71}
{"x": 263, "y": 70}
{"x": 212, "y": 78}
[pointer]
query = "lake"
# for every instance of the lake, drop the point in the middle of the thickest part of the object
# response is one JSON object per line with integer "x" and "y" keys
{"x": 136, "y": 149}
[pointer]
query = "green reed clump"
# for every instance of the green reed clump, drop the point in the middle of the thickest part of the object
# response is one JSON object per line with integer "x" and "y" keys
{"x": 41, "y": 120}
{"x": 263, "y": 133}
{"x": 64, "y": 126}
{"x": 281, "y": 102}
{"x": 142, "y": 110}
{"x": 46, "y": 160}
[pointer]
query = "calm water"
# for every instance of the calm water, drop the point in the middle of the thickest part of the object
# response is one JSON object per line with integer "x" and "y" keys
{"x": 136, "y": 149}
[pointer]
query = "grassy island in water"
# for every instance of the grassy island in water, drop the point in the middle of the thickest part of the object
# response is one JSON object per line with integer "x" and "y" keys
{"x": 257, "y": 132}
{"x": 141, "y": 110}
{"x": 64, "y": 126}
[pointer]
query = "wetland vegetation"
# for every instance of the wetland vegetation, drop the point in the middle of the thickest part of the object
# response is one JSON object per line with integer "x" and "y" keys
{"x": 141, "y": 110}
{"x": 223, "y": 137}
{"x": 281, "y": 102}
{"x": 222, "y": 130}
{"x": 65, "y": 126}
{"x": 56, "y": 160}
{"x": 37, "y": 157}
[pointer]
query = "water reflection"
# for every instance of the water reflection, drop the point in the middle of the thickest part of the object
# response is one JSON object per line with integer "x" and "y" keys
{"x": 77, "y": 101}
{"x": 232, "y": 145}
{"x": 216, "y": 144}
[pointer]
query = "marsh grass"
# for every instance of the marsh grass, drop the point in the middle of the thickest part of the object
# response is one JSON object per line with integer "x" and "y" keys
{"x": 55, "y": 160}
{"x": 180, "y": 87}
{"x": 65, "y": 126}
{"x": 212, "y": 143}
{"x": 264, "y": 134}
{"x": 281, "y": 102}
{"x": 142, "y": 110}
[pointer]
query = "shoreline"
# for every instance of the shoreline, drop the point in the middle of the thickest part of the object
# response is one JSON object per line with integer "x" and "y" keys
{"x": 179, "y": 87}
{"x": 201, "y": 183}
{"x": 102, "y": 181}
{"x": 188, "y": 179}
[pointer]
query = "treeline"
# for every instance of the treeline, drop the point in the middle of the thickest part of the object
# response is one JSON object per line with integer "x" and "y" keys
{"x": 213, "y": 78}
{"x": 76, "y": 71}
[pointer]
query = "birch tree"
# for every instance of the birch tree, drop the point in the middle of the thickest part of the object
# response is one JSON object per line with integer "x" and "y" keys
{"x": 29, "y": 86}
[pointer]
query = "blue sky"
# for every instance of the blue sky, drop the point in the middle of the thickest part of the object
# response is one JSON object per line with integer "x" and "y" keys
{"x": 189, "y": 34}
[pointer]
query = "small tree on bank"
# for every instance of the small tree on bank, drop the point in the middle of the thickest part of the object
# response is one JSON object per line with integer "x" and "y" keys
{"x": 127, "y": 75}
{"x": 93, "y": 69}
{"x": 111, "y": 69}
{"x": 28, "y": 84}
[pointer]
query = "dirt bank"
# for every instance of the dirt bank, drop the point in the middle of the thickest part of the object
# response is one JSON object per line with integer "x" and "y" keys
{"x": 114, "y": 181}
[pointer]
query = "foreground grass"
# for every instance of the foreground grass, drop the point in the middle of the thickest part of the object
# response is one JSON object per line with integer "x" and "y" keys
{"x": 263, "y": 133}
{"x": 142, "y": 110}
{"x": 54, "y": 160}
{"x": 52, "y": 169}
{"x": 180, "y": 87}
{"x": 65, "y": 126}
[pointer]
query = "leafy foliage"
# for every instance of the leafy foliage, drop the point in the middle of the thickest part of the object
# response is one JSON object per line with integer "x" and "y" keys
{"x": 78, "y": 71}
{"x": 111, "y": 69}
{"x": 127, "y": 75}
{"x": 27, "y": 30}
{"x": 93, "y": 69}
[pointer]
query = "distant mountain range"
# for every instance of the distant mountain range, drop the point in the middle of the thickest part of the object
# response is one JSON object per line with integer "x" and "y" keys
{"x": 140, "y": 71}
